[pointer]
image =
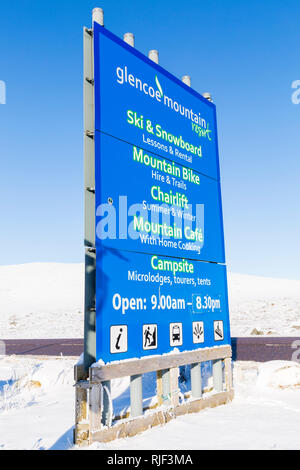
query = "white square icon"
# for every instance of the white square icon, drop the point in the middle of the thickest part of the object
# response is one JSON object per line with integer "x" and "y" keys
{"x": 198, "y": 332}
{"x": 218, "y": 330}
{"x": 118, "y": 339}
{"x": 176, "y": 334}
{"x": 149, "y": 337}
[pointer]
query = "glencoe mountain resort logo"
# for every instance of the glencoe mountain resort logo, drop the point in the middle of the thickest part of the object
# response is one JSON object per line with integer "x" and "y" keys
{"x": 156, "y": 93}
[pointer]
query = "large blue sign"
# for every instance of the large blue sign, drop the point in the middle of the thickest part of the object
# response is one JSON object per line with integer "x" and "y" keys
{"x": 160, "y": 278}
{"x": 147, "y": 203}
{"x": 150, "y": 304}
{"x": 141, "y": 103}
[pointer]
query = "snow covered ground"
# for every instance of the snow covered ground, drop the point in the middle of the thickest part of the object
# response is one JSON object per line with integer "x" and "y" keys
{"x": 41, "y": 300}
{"x": 37, "y": 410}
{"x": 45, "y": 300}
{"x": 270, "y": 306}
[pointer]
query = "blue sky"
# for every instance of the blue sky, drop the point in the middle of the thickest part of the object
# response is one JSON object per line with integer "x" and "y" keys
{"x": 245, "y": 53}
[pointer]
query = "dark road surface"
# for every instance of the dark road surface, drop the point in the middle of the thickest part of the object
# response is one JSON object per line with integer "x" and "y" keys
{"x": 44, "y": 347}
{"x": 264, "y": 348}
{"x": 261, "y": 349}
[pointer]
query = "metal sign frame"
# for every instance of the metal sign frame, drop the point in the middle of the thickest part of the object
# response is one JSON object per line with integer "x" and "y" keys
{"x": 93, "y": 412}
{"x": 91, "y": 130}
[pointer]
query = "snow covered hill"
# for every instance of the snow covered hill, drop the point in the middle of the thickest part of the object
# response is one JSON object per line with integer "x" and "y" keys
{"x": 45, "y": 300}
{"x": 270, "y": 306}
{"x": 41, "y": 300}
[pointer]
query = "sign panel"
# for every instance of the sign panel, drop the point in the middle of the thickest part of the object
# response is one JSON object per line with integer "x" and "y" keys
{"x": 148, "y": 204}
{"x": 159, "y": 228}
{"x": 151, "y": 304}
{"x": 139, "y": 102}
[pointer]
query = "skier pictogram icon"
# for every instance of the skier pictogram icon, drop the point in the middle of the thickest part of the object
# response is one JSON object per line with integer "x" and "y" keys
{"x": 218, "y": 330}
{"x": 149, "y": 337}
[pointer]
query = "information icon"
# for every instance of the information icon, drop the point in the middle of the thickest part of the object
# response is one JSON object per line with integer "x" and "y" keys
{"x": 176, "y": 334}
{"x": 198, "y": 332}
{"x": 118, "y": 339}
{"x": 218, "y": 330}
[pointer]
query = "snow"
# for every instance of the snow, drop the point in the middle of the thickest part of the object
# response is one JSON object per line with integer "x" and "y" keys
{"x": 269, "y": 305}
{"x": 41, "y": 300}
{"x": 37, "y": 409}
{"x": 36, "y": 403}
{"x": 45, "y": 300}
